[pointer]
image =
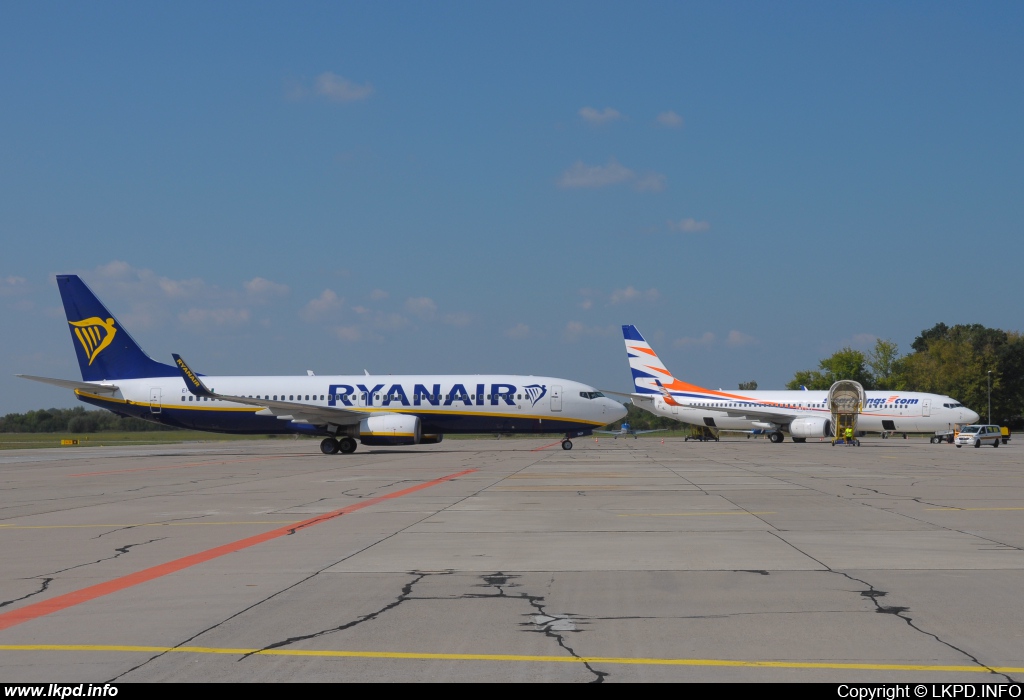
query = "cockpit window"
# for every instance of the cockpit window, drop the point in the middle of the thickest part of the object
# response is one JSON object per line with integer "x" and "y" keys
{"x": 592, "y": 394}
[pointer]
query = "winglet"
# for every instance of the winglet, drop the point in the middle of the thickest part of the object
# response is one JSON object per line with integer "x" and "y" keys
{"x": 666, "y": 394}
{"x": 192, "y": 381}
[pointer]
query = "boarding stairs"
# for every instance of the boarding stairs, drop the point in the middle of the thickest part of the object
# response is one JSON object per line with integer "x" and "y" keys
{"x": 845, "y": 402}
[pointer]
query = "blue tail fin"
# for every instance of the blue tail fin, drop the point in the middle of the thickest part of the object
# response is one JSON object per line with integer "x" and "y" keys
{"x": 104, "y": 348}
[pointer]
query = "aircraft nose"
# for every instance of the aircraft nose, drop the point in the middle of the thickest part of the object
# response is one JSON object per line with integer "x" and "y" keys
{"x": 972, "y": 417}
{"x": 617, "y": 410}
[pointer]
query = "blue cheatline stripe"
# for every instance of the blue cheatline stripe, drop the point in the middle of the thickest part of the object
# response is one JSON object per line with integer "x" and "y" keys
{"x": 243, "y": 421}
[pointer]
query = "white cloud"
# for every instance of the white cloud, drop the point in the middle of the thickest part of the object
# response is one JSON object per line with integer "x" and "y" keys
{"x": 581, "y": 175}
{"x": 458, "y": 319}
{"x": 705, "y": 340}
{"x": 670, "y": 119}
{"x": 863, "y": 340}
{"x": 348, "y": 334}
{"x": 630, "y": 293}
{"x": 423, "y": 307}
{"x": 327, "y": 301}
{"x": 263, "y": 288}
{"x": 214, "y": 317}
{"x": 592, "y": 176}
{"x": 518, "y": 331}
{"x": 574, "y": 330}
{"x": 339, "y": 89}
{"x": 689, "y": 226}
{"x": 593, "y": 116}
{"x": 737, "y": 339}
{"x": 651, "y": 182}
{"x": 13, "y": 286}
{"x": 390, "y": 322}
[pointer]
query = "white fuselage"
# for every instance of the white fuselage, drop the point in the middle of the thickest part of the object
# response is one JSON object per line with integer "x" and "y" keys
{"x": 882, "y": 412}
{"x": 443, "y": 403}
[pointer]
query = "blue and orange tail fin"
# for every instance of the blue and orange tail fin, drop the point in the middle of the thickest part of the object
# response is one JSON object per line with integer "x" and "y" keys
{"x": 650, "y": 375}
{"x": 104, "y": 348}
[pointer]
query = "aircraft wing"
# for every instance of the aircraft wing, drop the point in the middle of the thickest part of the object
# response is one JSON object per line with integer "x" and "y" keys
{"x": 284, "y": 410}
{"x": 87, "y": 387}
{"x": 641, "y": 432}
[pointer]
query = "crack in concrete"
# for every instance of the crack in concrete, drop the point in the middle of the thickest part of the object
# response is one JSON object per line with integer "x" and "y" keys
{"x": 899, "y": 611}
{"x": 548, "y": 623}
{"x": 119, "y": 550}
{"x": 159, "y": 522}
{"x": 896, "y": 610}
{"x": 42, "y": 589}
{"x": 403, "y": 597}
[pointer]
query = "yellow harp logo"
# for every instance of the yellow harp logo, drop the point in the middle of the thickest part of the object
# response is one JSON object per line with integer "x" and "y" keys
{"x": 94, "y": 334}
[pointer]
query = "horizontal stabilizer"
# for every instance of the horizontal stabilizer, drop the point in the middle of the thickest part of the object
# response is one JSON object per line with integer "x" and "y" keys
{"x": 72, "y": 384}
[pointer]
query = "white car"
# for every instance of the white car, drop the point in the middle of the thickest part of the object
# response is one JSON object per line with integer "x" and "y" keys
{"x": 978, "y": 435}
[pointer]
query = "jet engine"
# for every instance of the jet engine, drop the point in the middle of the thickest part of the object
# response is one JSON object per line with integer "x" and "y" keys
{"x": 390, "y": 429}
{"x": 810, "y": 427}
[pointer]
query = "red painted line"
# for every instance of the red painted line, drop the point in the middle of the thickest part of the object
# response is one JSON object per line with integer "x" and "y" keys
{"x": 62, "y": 602}
{"x": 544, "y": 447}
{"x": 181, "y": 466}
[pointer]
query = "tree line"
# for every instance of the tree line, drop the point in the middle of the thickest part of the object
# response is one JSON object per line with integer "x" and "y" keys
{"x": 73, "y": 420}
{"x": 964, "y": 362}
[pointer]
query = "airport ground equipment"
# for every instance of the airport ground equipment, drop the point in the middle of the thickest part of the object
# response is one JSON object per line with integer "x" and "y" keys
{"x": 701, "y": 433}
{"x": 845, "y": 402}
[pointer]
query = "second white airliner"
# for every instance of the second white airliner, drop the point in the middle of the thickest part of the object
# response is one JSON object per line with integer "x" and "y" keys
{"x": 802, "y": 414}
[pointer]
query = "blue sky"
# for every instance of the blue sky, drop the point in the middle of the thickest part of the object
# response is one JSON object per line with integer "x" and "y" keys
{"x": 267, "y": 188}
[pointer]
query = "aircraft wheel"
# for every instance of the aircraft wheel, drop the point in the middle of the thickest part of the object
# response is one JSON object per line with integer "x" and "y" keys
{"x": 799, "y": 439}
{"x": 958, "y": 447}
{"x": 347, "y": 446}
{"x": 566, "y": 444}
{"x": 777, "y": 437}
{"x": 328, "y": 446}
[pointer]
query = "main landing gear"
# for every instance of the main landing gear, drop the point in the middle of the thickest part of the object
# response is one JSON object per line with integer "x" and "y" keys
{"x": 345, "y": 446}
{"x": 566, "y": 444}
{"x": 776, "y": 437}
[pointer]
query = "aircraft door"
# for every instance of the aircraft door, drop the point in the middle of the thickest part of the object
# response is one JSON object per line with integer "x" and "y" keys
{"x": 556, "y": 398}
{"x": 926, "y": 407}
{"x": 154, "y": 400}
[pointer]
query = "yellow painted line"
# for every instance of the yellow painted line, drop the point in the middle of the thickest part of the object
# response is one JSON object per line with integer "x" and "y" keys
{"x": 416, "y": 656}
{"x": 679, "y": 515}
{"x": 974, "y": 508}
{"x": 61, "y": 527}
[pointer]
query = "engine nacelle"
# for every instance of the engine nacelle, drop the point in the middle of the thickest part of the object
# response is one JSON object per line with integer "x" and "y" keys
{"x": 390, "y": 429}
{"x": 810, "y": 427}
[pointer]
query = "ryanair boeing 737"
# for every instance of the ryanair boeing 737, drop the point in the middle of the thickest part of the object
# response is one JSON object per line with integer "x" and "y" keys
{"x": 802, "y": 414}
{"x": 376, "y": 410}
